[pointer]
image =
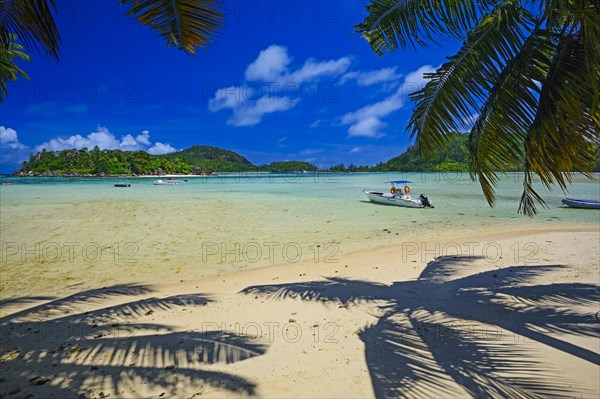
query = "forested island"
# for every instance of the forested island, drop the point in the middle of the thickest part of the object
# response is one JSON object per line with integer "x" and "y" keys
{"x": 196, "y": 160}
{"x": 203, "y": 160}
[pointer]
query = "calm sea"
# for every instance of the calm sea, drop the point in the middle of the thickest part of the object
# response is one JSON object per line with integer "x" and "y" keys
{"x": 60, "y": 234}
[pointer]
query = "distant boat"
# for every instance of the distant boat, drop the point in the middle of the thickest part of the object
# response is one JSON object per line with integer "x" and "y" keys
{"x": 577, "y": 203}
{"x": 7, "y": 183}
{"x": 399, "y": 196}
{"x": 161, "y": 182}
{"x": 122, "y": 185}
{"x": 169, "y": 181}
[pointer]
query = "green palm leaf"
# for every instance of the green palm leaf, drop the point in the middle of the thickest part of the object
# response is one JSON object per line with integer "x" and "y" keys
{"x": 496, "y": 140}
{"x": 32, "y": 22}
{"x": 562, "y": 138}
{"x": 396, "y": 23}
{"x": 529, "y": 69}
{"x": 8, "y": 68}
{"x": 187, "y": 24}
{"x": 455, "y": 91}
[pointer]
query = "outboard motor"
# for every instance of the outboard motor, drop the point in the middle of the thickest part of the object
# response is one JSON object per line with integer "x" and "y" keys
{"x": 425, "y": 201}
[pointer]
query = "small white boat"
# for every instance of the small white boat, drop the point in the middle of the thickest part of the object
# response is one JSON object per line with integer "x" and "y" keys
{"x": 166, "y": 182}
{"x": 577, "y": 203}
{"x": 399, "y": 196}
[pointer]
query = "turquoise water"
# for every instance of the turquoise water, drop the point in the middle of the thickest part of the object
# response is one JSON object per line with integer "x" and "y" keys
{"x": 213, "y": 225}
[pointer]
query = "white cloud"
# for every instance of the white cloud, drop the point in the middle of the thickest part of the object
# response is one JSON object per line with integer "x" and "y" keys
{"x": 311, "y": 70}
{"x": 160, "y": 148}
{"x": 270, "y": 64}
{"x": 315, "y": 124}
{"x": 377, "y": 110}
{"x": 103, "y": 138}
{"x": 143, "y": 138}
{"x": 355, "y": 150}
{"x": 11, "y": 149}
{"x": 8, "y": 137}
{"x": 230, "y": 97}
{"x": 128, "y": 141}
{"x": 371, "y": 77}
{"x": 416, "y": 78}
{"x": 368, "y": 127}
{"x": 251, "y": 113}
{"x": 366, "y": 121}
{"x": 271, "y": 86}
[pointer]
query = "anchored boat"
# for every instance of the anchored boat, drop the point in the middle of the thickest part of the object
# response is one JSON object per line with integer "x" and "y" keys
{"x": 169, "y": 181}
{"x": 577, "y": 203}
{"x": 399, "y": 196}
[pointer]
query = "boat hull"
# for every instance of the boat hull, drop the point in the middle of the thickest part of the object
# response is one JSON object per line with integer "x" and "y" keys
{"x": 165, "y": 182}
{"x": 584, "y": 204}
{"x": 389, "y": 199}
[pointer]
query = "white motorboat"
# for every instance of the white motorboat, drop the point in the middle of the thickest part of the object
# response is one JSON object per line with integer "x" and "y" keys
{"x": 399, "y": 196}
{"x": 166, "y": 182}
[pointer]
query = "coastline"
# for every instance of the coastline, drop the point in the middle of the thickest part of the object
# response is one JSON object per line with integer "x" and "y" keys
{"x": 277, "y": 331}
{"x": 65, "y": 267}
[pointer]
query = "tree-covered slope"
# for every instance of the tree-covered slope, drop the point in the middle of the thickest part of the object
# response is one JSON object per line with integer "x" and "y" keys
{"x": 454, "y": 157}
{"x": 287, "y": 166}
{"x": 211, "y": 159}
{"x": 194, "y": 160}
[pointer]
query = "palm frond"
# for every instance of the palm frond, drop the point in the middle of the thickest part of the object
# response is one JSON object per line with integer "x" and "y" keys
{"x": 187, "y": 24}
{"x": 32, "y": 22}
{"x": 8, "y": 68}
{"x": 455, "y": 91}
{"x": 496, "y": 140}
{"x": 562, "y": 137}
{"x": 392, "y": 24}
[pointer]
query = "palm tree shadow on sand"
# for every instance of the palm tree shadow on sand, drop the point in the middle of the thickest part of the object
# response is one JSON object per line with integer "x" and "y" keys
{"x": 444, "y": 335}
{"x": 106, "y": 351}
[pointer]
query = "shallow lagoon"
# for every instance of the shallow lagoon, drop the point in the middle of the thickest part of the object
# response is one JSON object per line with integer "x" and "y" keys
{"x": 70, "y": 234}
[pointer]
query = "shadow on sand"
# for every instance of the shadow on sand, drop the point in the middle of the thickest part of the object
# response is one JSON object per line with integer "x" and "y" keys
{"x": 445, "y": 334}
{"x": 58, "y": 350}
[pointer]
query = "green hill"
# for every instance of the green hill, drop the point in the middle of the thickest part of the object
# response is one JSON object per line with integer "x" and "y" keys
{"x": 194, "y": 160}
{"x": 453, "y": 158}
{"x": 210, "y": 159}
{"x": 287, "y": 166}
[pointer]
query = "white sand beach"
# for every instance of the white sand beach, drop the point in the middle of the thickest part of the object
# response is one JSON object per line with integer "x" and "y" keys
{"x": 507, "y": 316}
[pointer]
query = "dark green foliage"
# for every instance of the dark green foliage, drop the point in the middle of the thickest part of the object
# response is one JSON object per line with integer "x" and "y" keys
{"x": 117, "y": 162}
{"x": 288, "y": 166}
{"x": 194, "y": 160}
{"x": 210, "y": 159}
{"x": 351, "y": 168}
{"x": 453, "y": 157}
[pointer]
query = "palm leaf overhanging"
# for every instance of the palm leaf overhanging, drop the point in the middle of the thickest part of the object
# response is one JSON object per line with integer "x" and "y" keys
{"x": 8, "y": 69}
{"x": 32, "y": 22}
{"x": 529, "y": 70}
{"x": 187, "y": 24}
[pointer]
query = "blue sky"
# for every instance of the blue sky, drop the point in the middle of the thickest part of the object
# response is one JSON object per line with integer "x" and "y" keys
{"x": 284, "y": 80}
